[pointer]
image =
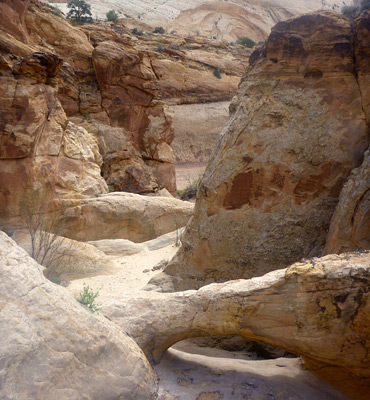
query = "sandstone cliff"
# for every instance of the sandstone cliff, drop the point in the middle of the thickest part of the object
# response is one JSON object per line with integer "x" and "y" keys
{"x": 297, "y": 129}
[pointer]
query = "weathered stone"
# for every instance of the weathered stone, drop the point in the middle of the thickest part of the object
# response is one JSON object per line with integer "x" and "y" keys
{"x": 64, "y": 257}
{"x": 350, "y": 225}
{"x": 124, "y": 216}
{"x": 53, "y": 347}
{"x": 318, "y": 309}
{"x": 296, "y": 130}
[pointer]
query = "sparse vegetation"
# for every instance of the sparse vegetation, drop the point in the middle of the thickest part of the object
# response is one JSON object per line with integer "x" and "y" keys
{"x": 352, "y": 11}
{"x": 88, "y": 297}
{"x": 247, "y": 42}
{"x": 217, "y": 73}
{"x": 190, "y": 192}
{"x": 57, "y": 11}
{"x": 79, "y": 11}
{"x": 158, "y": 29}
{"x": 48, "y": 247}
{"x": 365, "y": 5}
{"x": 112, "y": 16}
{"x": 136, "y": 32}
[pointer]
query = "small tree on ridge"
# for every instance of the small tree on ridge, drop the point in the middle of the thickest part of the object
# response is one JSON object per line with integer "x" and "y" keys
{"x": 79, "y": 11}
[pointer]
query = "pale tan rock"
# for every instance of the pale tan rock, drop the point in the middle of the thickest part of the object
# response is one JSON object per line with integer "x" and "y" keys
{"x": 350, "y": 225}
{"x": 53, "y": 347}
{"x": 65, "y": 257}
{"x": 124, "y": 216}
{"x": 296, "y": 130}
{"x": 197, "y": 128}
{"x": 317, "y": 309}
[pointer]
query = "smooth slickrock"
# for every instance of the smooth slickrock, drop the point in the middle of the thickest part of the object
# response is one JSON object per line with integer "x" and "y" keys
{"x": 64, "y": 256}
{"x": 318, "y": 309}
{"x": 52, "y": 347}
{"x": 350, "y": 226}
{"x": 124, "y": 216}
{"x": 297, "y": 129}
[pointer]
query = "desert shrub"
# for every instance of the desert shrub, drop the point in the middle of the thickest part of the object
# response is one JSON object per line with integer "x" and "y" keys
{"x": 136, "y": 32}
{"x": 48, "y": 247}
{"x": 57, "y": 11}
{"x": 365, "y": 5}
{"x": 217, "y": 73}
{"x": 190, "y": 192}
{"x": 158, "y": 29}
{"x": 112, "y": 16}
{"x": 79, "y": 11}
{"x": 350, "y": 11}
{"x": 174, "y": 46}
{"x": 88, "y": 297}
{"x": 247, "y": 42}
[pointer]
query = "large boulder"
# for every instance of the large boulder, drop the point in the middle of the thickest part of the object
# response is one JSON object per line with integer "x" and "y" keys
{"x": 124, "y": 216}
{"x": 52, "y": 347}
{"x": 350, "y": 226}
{"x": 318, "y": 309}
{"x": 297, "y": 129}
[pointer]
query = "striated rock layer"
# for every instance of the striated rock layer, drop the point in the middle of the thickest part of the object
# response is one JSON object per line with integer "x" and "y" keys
{"x": 297, "y": 129}
{"x": 52, "y": 347}
{"x": 350, "y": 226}
{"x": 318, "y": 309}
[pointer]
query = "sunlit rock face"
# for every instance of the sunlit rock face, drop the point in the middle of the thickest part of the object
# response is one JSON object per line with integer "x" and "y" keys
{"x": 318, "y": 309}
{"x": 297, "y": 129}
{"x": 53, "y": 347}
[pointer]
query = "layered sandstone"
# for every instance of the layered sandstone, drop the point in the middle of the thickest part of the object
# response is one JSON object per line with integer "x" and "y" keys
{"x": 53, "y": 347}
{"x": 38, "y": 146}
{"x": 297, "y": 129}
{"x": 317, "y": 309}
{"x": 350, "y": 226}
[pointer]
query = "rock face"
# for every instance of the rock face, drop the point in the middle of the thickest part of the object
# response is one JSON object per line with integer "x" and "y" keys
{"x": 296, "y": 130}
{"x": 350, "y": 226}
{"x": 124, "y": 216}
{"x": 53, "y": 347}
{"x": 38, "y": 146}
{"x": 197, "y": 128}
{"x": 317, "y": 309}
{"x": 211, "y": 17}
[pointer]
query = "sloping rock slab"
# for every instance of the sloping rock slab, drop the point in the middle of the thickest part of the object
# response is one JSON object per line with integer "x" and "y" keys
{"x": 52, "y": 347}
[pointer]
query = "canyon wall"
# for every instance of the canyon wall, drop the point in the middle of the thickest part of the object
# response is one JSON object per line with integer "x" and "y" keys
{"x": 297, "y": 129}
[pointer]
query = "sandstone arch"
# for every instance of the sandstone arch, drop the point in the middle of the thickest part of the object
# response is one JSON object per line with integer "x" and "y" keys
{"x": 317, "y": 309}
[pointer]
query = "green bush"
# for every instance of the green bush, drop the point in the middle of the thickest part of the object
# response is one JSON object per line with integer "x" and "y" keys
{"x": 88, "y": 297}
{"x": 57, "y": 11}
{"x": 158, "y": 29}
{"x": 112, "y": 16}
{"x": 365, "y": 5}
{"x": 136, "y": 32}
{"x": 190, "y": 192}
{"x": 217, "y": 73}
{"x": 79, "y": 11}
{"x": 350, "y": 11}
{"x": 247, "y": 42}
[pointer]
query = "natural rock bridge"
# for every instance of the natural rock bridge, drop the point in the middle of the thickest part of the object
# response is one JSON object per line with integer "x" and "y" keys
{"x": 318, "y": 309}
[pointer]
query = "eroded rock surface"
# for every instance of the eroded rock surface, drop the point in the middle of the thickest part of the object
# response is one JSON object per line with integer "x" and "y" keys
{"x": 53, "y": 347}
{"x": 296, "y": 131}
{"x": 124, "y": 216}
{"x": 39, "y": 147}
{"x": 350, "y": 226}
{"x": 317, "y": 309}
